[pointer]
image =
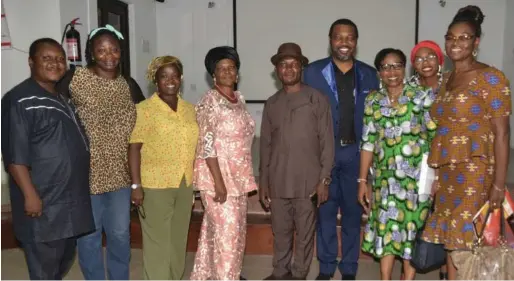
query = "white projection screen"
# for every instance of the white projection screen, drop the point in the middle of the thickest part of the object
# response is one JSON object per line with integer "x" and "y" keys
{"x": 262, "y": 25}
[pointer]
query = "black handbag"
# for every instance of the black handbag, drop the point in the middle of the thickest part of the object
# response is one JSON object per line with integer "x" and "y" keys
{"x": 427, "y": 256}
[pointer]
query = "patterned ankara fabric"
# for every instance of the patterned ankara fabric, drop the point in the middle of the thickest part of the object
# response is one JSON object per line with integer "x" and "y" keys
{"x": 398, "y": 135}
{"x": 463, "y": 149}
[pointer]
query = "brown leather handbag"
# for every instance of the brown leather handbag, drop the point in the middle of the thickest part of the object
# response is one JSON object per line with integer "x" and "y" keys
{"x": 486, "y": 262}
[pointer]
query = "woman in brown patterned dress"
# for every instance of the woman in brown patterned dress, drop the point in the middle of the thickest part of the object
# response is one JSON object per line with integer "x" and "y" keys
{"x": 471, "y": 149}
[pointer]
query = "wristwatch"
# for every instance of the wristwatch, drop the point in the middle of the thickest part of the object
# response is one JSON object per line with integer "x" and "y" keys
{"x": 135, "y": 185}
{"x": 326, "y": 181}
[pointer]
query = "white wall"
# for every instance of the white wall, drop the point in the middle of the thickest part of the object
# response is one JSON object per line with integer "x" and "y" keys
{"x": 508, "y": 55}
{"x": 25, "y": 26}
{"x": 434, "y": 21}
{"x": 265, "y": 24}
{"x": 187, "y": 30}
{"x": 142, "y": 26}
{"x": 497, "y": 44}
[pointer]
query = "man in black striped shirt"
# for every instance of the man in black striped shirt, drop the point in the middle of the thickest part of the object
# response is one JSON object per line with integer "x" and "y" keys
{"x": 46, "y": 153}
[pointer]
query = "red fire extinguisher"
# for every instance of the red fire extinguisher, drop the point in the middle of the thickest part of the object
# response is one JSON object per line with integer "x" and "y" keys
{"x": 72, "y": 45}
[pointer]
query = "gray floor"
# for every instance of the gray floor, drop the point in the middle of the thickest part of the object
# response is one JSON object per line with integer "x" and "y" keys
{"x": 255, "y": 268}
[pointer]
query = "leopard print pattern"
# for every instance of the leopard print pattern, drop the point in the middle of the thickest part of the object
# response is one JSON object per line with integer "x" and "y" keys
{"x": 108, "y": 114}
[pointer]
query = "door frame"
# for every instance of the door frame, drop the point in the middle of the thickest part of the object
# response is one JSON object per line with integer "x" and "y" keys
{"x": 119, "y": 8}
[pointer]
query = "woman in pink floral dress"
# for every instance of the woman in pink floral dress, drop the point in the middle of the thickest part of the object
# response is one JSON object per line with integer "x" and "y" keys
{"x": 223, "y": 170}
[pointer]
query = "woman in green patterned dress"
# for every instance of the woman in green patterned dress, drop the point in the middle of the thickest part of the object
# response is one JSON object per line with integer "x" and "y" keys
{"x": 397, "y": 132}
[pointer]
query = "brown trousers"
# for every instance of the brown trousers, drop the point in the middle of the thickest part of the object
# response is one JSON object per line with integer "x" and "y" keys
{"x": 287, "y": 217}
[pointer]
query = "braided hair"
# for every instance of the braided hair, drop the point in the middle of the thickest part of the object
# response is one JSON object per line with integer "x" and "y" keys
{"x": 471, "y": 15}
{"x": 91, "y": 40}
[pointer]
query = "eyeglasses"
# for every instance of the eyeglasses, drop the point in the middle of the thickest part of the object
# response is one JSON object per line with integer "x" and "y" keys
{"x": 392, "y": 66}
{"x": 460, "y": 38}
{"x": 420, "y": 60}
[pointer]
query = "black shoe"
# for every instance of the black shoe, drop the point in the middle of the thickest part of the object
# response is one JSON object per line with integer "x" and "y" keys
{"x": 348, "y": 277}
{"x": 443, "y": 276}
{"x": 323, "y": 277}
{"x": 241, "y": 277}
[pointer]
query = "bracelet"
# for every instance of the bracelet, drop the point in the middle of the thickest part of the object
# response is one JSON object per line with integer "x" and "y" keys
{"x": 362, "y": 180}
{"x": 497, "y": 188}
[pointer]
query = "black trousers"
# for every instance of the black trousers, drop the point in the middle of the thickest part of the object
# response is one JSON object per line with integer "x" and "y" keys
{"x": 49, "y": 260}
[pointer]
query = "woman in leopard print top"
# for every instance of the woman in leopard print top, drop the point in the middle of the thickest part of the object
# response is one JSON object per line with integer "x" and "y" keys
{"x": 104, "y": 104}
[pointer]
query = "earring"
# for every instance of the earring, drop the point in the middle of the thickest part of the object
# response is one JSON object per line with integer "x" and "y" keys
{"x": 214, "y": 80}
{"x": 475, "y": 53}
{"x": 237, "y": 78}
{"x": 380, "y": 85}
{"x": 182, "y": 77}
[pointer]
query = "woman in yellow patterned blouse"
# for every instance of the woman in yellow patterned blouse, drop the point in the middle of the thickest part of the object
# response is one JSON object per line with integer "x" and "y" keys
{"x": 161, "y": 155}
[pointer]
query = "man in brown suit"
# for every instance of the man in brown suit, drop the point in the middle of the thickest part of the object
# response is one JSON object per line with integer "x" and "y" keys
{"x": 297, "y": 154}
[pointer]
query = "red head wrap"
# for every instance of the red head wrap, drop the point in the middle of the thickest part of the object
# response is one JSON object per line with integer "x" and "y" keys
{"x": 427, "y": 44}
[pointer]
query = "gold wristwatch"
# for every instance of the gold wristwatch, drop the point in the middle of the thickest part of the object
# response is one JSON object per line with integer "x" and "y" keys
{"x": 326, "y": 181}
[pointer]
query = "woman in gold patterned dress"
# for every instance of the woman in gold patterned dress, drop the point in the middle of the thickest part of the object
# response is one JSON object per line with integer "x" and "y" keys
{"x": 471, "y": 148}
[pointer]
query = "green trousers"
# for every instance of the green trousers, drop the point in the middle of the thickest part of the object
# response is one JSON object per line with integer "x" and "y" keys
{"x": 165, "y": 229}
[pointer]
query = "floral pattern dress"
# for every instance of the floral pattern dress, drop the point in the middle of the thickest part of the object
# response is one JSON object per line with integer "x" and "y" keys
{"x": 226, "y": 133}
{"x": 398, "y": 135}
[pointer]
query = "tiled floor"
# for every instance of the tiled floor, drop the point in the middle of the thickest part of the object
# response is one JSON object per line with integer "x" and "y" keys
{"x": 255, "y": 268}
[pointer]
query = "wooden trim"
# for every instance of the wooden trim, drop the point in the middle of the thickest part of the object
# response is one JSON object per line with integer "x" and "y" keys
{"x": 121, "y": 9}
{"x": 255, "y": 101}
{"x": 259, "y": 235}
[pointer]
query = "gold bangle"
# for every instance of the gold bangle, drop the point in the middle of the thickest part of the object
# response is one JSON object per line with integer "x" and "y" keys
{"x": 362, "y": 180}
{"x": 497, "y": 188}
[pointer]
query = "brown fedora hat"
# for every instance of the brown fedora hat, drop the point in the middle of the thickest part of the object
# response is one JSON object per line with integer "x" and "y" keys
{"x": 289, "y": 50}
